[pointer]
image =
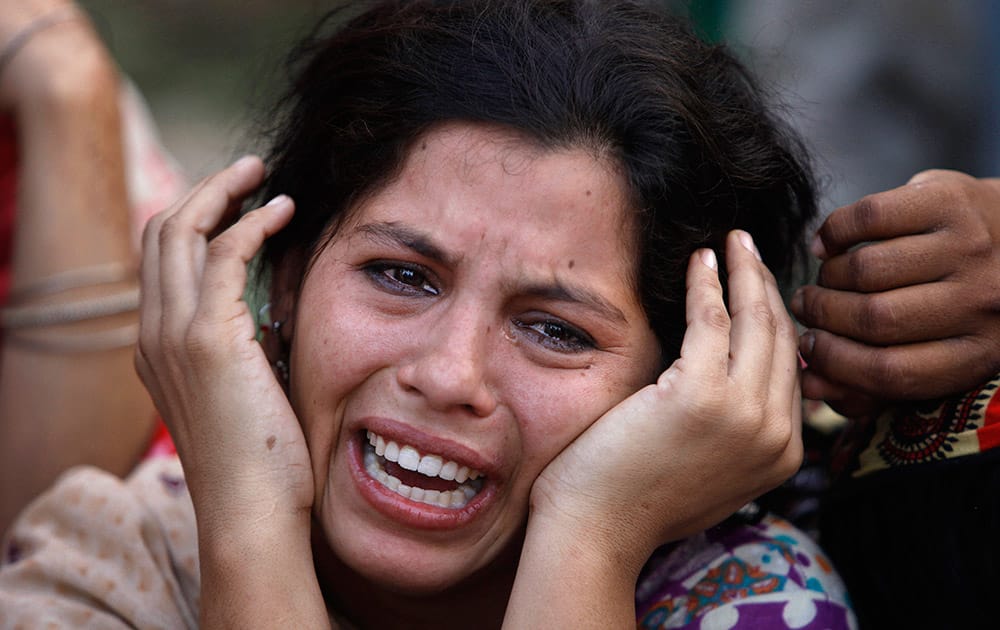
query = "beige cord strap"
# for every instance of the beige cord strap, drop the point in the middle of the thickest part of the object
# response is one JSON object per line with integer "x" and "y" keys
{"x": 78, "y": 278}
{"x": 35, "y": 315}
{"x": 91, "y": 342}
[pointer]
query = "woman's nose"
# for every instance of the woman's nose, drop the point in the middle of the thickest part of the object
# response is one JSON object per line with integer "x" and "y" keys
{"x": 449, "y": 367}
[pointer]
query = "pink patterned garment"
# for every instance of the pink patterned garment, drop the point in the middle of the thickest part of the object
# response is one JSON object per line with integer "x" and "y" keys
{"x": 741, "y": 575}
{"x": 96, "y": 551}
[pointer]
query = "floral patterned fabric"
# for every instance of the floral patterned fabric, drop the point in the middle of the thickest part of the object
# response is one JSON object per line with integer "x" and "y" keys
{"x": 743, "y": 575}
{"x": 922, "y": 432}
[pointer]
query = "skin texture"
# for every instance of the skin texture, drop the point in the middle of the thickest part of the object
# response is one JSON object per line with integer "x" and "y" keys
{"x": 58, "y": 409}
{"x": 474, "y": 364}
{"x": 461, "y": 352}
{"x": 906, "y": 303}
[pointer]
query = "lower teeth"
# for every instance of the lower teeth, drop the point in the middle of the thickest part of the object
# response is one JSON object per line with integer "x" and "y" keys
{"x": 457, "y": 498}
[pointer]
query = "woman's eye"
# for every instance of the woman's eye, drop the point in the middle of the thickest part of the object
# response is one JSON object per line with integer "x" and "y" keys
{"x": 402, "y": 278}
{"x": 557, "y": 335}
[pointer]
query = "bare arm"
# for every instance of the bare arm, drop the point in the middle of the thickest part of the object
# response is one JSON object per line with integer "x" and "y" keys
{"x": 61, "y": 408}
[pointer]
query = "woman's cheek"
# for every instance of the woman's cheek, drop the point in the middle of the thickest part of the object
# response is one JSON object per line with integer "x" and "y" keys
{"x": 555, "y": 407}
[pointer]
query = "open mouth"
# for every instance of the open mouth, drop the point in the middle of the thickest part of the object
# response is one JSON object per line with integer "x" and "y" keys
{"x": 422, "y": 477}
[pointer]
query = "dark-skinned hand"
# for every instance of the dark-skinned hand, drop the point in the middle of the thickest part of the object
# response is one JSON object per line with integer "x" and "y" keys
{"x": 907, "y": 302}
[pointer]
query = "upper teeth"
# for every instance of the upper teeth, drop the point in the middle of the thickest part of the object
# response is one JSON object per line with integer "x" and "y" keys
{"x": 430, "y": 465}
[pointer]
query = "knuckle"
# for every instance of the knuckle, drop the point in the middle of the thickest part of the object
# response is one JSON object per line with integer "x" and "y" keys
{"x": 865, "y": 267}
{"x": 775, "y": 435}
{"x": 763, "y": 316}
{"x": 199, "y": 342}
{"x": 890, "y": 374}
{"x": 869, "y": 212}
{"x": 220, "y": 248}
{"x": 790, "y": 460}
{"x": 170, "y": 229}
{"x": 153, "y": 226}
{"x": 978, "y": 243}
{"x": 879, "y": 316}
{"x": 716, "y": 317}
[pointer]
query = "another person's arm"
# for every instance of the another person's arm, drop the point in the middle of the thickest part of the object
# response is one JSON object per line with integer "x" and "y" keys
{"x": 62, "y": 405}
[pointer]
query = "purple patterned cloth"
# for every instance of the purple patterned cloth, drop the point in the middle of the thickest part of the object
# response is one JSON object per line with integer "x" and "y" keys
{"x": 737, "y": 576}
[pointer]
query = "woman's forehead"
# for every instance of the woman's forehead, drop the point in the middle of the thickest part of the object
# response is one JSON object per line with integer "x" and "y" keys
{"x": 484, "y": 186}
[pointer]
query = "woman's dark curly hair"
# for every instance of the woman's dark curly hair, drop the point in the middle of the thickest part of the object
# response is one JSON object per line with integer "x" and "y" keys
{"x": 700, "y": 149}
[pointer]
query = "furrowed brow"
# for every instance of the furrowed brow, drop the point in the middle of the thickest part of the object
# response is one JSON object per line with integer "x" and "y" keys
{"x": 568, "y": 293}
{"x": 395, "y": 234}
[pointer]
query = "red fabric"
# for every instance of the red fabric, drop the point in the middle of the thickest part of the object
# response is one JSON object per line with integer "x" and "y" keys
{"x": 8, "y": 199}
{"x": 162, "y": 443}
{"x": 989, "y": 435}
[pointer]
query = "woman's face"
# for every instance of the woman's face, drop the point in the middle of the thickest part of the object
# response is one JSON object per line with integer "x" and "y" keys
{"x": 470, "y": 320}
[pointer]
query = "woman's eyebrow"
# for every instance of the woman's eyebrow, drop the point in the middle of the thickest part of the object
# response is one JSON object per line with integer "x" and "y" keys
{"x": 398, "y": 235}
{"x": 395, "y": 234}
{"x": 568, "y": 293}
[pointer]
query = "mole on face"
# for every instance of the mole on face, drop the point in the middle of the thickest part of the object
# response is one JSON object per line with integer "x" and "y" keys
{"x": 571, "y": 264}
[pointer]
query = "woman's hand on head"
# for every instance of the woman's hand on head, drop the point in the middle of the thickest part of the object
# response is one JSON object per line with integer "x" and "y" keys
{"x": 243, "y": 451}
{"x": 719, "y": 427}
{"x": 906, "y": 303}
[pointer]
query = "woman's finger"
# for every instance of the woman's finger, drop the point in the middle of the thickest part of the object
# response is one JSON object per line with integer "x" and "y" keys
{"x": 183, "y": 236}
{"x": 225, "y": 276}
{"x": 706, "y": 339}
{"x": 754, "y": 321}
{"x": 784, "y": 378}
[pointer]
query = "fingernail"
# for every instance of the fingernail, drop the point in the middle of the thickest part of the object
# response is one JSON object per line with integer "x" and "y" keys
{"x": 244, "y": 161}
{"x": 277, "y": 200}
{"x": 797, "y": 302}
{"x": 817, "y": 248}
{"x": 806, "y": 343}
{"x": 802, "y": 362}
{"x": 708, "y": 257}
{"x": 748, "y": 243}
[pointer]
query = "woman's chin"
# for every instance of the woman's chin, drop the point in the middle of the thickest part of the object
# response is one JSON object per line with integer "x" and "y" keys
{"x": 407, "y": 567}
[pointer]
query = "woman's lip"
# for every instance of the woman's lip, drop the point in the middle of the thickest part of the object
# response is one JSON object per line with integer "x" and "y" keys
{"x": 427, "y": 444}
{"x": 412, "y": 513}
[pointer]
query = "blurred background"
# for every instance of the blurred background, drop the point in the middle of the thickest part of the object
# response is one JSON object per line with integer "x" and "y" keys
{"x": 881, "y": 90}
{"x": 208, "y": 68}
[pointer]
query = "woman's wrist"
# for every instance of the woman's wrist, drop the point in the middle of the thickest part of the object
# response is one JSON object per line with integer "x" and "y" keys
{"x": 259, "y": 573}
{"x": 572, "y": 575}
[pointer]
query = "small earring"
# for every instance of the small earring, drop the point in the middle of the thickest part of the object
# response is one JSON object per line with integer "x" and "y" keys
{"x": 281, "y": 370}
{"x": 265, "y": 323}
{"x": 268, "y": 327}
